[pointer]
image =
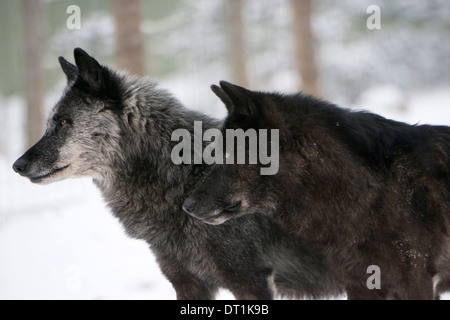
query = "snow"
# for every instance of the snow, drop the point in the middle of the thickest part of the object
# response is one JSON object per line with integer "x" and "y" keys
{"x": 60, "y": 242}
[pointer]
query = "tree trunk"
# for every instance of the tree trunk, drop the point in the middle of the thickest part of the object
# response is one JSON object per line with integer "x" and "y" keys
{"x": 236, "y": 43}
{"x": 33, "y": 71}
{"x": 304, "y": 46}
{"x": 129, "y": 38}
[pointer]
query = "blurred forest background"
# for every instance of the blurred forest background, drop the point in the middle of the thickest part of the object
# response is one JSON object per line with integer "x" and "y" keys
{"x": 287, "y": 45}
{"x": 50, "y": 235}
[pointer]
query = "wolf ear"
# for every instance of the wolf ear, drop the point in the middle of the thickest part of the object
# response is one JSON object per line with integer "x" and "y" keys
{"x": 224, "y": 97}
{"x": 69, "y": 69}
{"x": 237, "y": 100}
{"x": 88, "y": 68}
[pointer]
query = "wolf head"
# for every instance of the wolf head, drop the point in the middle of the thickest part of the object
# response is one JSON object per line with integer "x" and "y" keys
{"x": 233, "y": 190}
{"x": 82, "y": 126}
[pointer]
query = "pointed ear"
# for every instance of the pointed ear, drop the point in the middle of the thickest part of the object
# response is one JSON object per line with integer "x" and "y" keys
{"x": 88, "y": 68}
{"x": 69, "y": 69}
{"x": 224, "y": 97}
{"x": 238, "y": 100}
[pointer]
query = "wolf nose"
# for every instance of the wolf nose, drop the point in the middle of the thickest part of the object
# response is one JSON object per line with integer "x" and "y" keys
{"x": 20, "y": 166}
{"x": 189, "y": 205}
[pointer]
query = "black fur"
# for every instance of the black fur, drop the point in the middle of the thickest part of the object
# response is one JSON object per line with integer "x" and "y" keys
{"x": 361, "y": 189}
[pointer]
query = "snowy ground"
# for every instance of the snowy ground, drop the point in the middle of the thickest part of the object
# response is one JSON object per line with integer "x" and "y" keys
{"x": 60, "y": 242}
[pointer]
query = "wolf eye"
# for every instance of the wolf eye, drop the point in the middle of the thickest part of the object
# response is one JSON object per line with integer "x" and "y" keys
{"x": 234, "y": 207}
{"x": 62, "y": 122}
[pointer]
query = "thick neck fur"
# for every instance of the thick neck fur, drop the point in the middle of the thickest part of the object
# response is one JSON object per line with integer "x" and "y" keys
{"x": 142, "y": 185}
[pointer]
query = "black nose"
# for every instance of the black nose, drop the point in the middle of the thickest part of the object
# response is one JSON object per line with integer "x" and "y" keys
{"x": 20, "y": 166}
{"x": 189, "y": 205}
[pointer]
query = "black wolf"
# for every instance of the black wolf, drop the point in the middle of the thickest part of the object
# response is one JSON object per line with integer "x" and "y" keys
{"x": 117, "y": 129}
{"x": 361, "y": 189}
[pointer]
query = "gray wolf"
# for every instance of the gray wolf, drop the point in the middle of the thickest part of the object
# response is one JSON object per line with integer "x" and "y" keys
{"x": 358, "y": 188}
{"x": 117, "y": 129}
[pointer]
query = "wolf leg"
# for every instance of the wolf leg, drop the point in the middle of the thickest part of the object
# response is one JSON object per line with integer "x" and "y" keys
{"x": 187, "y": 285}
{"x": 190, "y": 288}
{"x": 255, "y": 289}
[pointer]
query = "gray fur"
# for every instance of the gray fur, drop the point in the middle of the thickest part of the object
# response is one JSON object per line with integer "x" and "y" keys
{"x": 117, "y": 129}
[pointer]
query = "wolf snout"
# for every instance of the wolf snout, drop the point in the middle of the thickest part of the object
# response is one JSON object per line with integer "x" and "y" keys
{"x": 189, "y": 206}
{"x": 20, "y": 166}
